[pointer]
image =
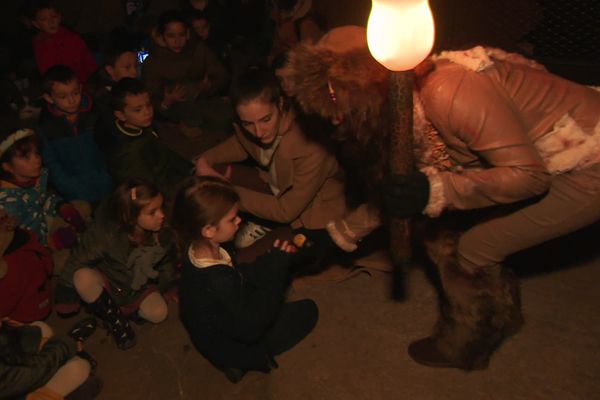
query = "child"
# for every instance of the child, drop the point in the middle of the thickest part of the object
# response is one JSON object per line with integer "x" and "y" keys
{"x": 77, "y": 167}
{"x": 55, "y": 44}
{"x": 24, "y": 195}
{"x": 235, "y": 314}
{"x": 123, "y": 262}
{"x": 133, "y": 149}
{"x": 184, "y": 77}
{"x": 120, "y": 61}
{"x": 40, "y": 365}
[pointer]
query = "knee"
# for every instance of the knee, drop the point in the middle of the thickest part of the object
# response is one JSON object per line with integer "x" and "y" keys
{"x": 155, "y": 313}
{"x": 86, "y": 278}
{"x": 78, "y": 369}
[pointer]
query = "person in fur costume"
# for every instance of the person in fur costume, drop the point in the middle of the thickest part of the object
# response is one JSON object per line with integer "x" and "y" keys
{"x": 490, "y": 129}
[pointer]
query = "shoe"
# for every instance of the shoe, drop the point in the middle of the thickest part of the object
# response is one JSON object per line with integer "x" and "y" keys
{"x": 425, "y": 352}
{"x": 233, "y": 375}
{"x": 249, "y": 233}
{"x": 83, "y": 329}
{"x": 117, "y": 324}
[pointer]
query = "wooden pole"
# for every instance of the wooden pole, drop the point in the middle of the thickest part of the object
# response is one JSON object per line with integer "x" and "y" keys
{"x": 401, "y": 161}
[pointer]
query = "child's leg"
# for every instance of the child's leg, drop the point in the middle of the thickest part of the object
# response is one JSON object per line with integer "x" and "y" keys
{"x": 154, "y": 308}
{"x": 296, "y": 320}
{"x": 70, "y": 376}
{"x": 88, "y": 283}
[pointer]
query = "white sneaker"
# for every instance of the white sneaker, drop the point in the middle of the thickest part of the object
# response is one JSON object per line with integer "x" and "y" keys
{"x": 249, "y": 233}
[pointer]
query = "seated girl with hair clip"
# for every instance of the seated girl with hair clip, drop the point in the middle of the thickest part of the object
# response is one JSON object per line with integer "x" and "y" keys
{"x": 123, "y": 264}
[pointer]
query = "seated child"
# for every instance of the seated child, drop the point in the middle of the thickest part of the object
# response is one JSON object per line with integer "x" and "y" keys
{"x": 55, "y": 44}
{"x": 184, "y": 77}
{"x": 235, "y": 314}
{"x": 25, "y": 272}
{"x": 40, "y": 365}
{"x": 132, "y": 147}
{"x": 77, "y": 166}
{"x": 122, "y": 263}
{"x": 24, "y": 194}
{"x": 120, "y": 61}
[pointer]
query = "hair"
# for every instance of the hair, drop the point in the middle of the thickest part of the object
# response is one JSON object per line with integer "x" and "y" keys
{"x": 20, "y": 148}
{"x": 129, "y": 199}
{"x": 286, "y": 5}
{"x": 57, "y": 73}
{"x": 200, "y": 201}
{"x": 124, "y": 88}
{"x": 171, "y": 16}
{"x": 256, "y": 82}
{"x": 116, "y": 50}
{"x": 36, "y": 6}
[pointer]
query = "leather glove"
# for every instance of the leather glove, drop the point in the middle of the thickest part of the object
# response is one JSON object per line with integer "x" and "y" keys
{"x": 71, "y": 216}
{"x": 406, "y": 195}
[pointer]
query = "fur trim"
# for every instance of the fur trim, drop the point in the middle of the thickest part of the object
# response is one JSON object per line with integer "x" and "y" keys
{"x": 478, "y": 310}
{"x": 437, "y": 199}
{"x": 358, "y": 80}
{"x": 342, "y": 240}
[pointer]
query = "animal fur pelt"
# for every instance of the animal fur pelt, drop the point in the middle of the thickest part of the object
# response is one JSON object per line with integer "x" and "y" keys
{"x": 477, "y": 310}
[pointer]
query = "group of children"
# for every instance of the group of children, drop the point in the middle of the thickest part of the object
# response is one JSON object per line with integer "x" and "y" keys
{"x": 94, "y": 177}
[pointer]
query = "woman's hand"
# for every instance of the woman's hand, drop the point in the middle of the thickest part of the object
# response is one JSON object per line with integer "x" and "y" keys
{"x": 203, "y": 168}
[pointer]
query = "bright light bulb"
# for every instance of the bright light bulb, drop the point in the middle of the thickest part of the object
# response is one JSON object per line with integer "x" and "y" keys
{"x": 400, "y": 33}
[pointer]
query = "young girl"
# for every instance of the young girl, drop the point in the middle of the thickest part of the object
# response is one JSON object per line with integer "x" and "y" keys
{"x": 123, "y": 262}
{"x": 235, "y": 314}
{"x": 24, "y": 195}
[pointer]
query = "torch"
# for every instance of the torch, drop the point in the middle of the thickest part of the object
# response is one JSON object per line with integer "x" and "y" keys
{"x": 400, "y": 34}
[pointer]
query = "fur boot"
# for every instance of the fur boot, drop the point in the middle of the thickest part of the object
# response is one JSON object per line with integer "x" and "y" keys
{"x": 477, "y": 312}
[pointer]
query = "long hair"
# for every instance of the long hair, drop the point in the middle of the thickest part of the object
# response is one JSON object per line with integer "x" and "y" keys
{"x": 200, "y": 201}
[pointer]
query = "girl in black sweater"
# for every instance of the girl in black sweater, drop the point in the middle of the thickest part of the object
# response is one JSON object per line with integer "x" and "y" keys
{"x": 235, "y": 314}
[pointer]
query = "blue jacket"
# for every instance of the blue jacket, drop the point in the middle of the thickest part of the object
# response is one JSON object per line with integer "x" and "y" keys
{"x": 77, "y": 166}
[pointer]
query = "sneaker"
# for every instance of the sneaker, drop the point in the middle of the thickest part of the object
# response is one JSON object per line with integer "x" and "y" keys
{"x": 249, "y": 233}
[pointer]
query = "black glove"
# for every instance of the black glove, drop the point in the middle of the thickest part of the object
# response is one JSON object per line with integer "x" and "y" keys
{"x": 406, "y": 195}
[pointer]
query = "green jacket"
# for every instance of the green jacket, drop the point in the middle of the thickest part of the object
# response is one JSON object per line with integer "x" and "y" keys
{"x": 127, "y": 267}
{"x": 141, "y": 154}
{"x": 25, "y": 368}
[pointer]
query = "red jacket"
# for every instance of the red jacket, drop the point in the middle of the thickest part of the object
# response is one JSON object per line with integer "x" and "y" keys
{"x": 26, "y": 290}
{"x": 66, "y": 48}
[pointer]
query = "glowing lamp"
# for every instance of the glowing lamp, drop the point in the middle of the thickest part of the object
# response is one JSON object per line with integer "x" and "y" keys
{"x": 400, "y": 33}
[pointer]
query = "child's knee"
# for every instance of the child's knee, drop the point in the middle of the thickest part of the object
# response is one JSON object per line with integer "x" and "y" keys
{"x": 86, "y": 279}
{"x": 155, "y": 310}
{"x": 46, "y": 329}
{"x": 77, "y": 369}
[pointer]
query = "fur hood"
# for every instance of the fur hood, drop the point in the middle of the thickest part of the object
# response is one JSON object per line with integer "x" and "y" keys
{"x": 330, "y": 82}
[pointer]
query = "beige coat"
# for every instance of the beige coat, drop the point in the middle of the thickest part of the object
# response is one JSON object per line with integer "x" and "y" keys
{"x": 309, "y": 179}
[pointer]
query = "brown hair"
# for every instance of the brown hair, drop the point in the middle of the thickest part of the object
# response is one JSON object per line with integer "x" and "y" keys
{"x": 129, "y": 199}
{"x": 200, "y": 201}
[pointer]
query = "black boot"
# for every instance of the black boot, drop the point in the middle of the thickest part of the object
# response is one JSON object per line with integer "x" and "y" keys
{"x": 117, "y": 324}
{"x": 477, "y": 312}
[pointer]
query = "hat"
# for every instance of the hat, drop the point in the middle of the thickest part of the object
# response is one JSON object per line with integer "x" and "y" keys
{"x": 337, "y": 75}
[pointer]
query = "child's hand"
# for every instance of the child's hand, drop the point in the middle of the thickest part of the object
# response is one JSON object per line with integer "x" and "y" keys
{"x": 285, "y": 246}
{"x": 175, "y": 95}
{"x": 72, "y": 217}
{"x": 8, "y": 223}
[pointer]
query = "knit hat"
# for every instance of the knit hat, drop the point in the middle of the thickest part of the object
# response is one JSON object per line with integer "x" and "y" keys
{"x": 337, "y": 75}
